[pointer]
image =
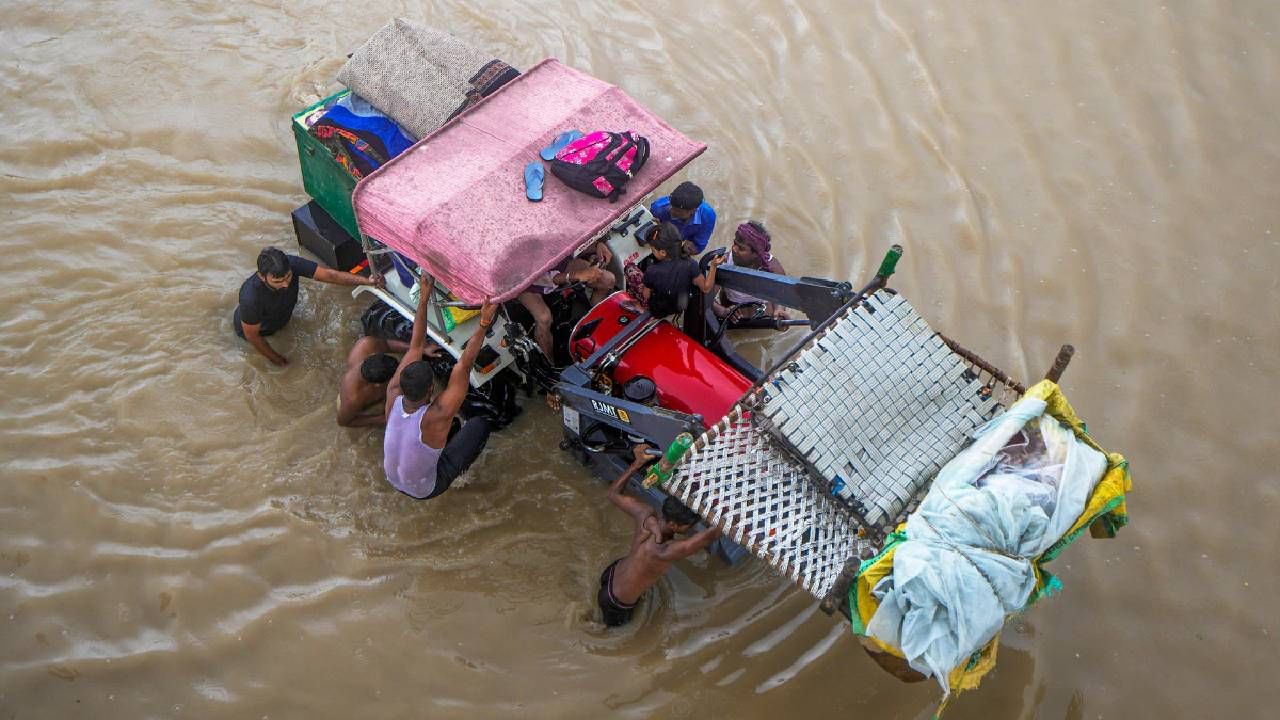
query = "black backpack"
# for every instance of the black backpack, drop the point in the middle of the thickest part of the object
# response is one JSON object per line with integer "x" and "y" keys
{"x": 600, "y": 163}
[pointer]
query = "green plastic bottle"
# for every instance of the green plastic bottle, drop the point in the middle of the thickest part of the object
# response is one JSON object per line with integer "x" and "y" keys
{"x": 890, "y": 262}
{"x": 660, "y": 472}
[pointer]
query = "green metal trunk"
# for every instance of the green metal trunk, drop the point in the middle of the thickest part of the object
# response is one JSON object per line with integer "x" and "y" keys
{"x": 322, "y": 177}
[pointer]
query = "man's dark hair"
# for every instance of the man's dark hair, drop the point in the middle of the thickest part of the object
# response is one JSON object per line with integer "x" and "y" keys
{"x": 686, "y": 196}
{"x": 668, "y": 240}
{"x": 378, "y": 368}
{"x": 416, "y": 381}
{"x": 273, "y": 263}
{"x": 678, "y": 513}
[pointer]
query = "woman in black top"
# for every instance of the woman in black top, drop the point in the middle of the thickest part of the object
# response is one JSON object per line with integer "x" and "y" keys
{"x": 673, "y": 272}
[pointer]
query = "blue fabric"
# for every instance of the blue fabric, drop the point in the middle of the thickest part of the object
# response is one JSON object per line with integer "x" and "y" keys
{"x": 697, "y": 229}
{"x": 359, "y": 106}
{"x": 405, "y": 268}
{"x": 380, "y": 126}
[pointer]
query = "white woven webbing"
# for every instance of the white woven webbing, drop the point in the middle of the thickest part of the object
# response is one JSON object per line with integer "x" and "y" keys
{"x": 877, "y": 405}
{"x": 763, "y": 499}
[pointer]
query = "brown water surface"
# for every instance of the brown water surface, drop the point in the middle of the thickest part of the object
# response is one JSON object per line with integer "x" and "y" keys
{"x": 184, "y": 532}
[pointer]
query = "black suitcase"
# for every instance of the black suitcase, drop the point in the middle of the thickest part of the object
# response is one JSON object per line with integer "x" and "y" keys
{"x": 325, "y": 238}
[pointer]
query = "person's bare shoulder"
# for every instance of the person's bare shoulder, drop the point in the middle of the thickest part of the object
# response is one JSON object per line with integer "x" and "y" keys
{"x": 646, "y": 534}
{"x": 363, "y": 348}
{"x": 348, "y": 381}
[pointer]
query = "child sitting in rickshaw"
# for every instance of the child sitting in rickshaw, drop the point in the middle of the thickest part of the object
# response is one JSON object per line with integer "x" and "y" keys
{"x": 672, "y": 273}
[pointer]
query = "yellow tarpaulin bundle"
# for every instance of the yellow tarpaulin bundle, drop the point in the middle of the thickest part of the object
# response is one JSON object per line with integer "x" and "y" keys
{"x": 453, "y": 316}
{"x": 1104, "y": 514}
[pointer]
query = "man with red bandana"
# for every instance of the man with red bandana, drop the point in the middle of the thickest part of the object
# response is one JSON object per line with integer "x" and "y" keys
{"x": 752, "y": 249}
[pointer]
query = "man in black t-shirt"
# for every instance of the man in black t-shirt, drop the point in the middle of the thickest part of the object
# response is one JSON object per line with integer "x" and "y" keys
{"x": 267, "y": 297}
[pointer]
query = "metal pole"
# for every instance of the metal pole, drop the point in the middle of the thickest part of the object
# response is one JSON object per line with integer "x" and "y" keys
{"x": 1060, "y": 363}
{"x": 367, "y": 245}
{"x": 992, "y": 370}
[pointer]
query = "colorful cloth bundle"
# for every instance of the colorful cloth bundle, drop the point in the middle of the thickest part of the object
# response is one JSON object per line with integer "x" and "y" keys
{"x": 976, "y": 538}
{"x": 360, "y": 138}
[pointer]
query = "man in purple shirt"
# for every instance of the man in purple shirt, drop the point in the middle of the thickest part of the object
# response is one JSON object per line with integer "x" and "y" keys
{"x": 419, "y": 457}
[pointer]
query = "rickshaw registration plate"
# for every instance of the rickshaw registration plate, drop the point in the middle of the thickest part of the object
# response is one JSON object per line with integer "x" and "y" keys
{"x": 570, "y": 418}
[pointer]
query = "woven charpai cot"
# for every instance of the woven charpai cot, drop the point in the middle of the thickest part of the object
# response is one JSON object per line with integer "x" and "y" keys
{"x": 846, "y": 435}
{"x": 876, "y": 406}
{"x": 739, "y": 479}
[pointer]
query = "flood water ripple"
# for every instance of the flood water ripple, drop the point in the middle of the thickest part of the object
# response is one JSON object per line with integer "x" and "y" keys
{"x": 184, "y": 532}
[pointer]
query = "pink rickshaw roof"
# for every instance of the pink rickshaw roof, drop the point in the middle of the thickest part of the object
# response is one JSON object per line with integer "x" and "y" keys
{"x": 455, "y": 202}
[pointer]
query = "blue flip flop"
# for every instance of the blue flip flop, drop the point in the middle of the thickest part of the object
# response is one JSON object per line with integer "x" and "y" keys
{"x": 548, "y": 153}
{"x": 534, "y": 175}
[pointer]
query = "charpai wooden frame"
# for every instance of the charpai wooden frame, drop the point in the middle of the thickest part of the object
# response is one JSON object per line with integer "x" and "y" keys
{"x": 765, "y": 478}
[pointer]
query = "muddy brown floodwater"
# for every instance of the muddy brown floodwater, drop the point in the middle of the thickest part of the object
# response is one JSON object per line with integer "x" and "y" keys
{"x": 184, "y": 532}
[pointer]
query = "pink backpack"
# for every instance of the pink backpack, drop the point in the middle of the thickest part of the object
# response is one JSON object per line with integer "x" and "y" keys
{"x": 600, "y": 163}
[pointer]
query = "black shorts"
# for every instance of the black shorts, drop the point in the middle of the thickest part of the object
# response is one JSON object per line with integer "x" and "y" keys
{"x": 462, "y": 449}
{"x": 615, "y": 613}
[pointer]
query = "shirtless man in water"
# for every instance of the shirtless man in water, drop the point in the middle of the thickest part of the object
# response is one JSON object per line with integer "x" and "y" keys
{"x": 653, "y": 547}
{"x": 364, "y": 382}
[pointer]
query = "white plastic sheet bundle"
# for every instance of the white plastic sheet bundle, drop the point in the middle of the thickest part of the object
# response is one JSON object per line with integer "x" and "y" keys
{"x": 967, "y": 562}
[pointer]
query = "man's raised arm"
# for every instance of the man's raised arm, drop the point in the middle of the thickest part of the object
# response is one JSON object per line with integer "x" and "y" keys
{"x": 636, "y": 508}
{"x": 681, "y": 549}
{"x": 707, "y": 283}
{"x": 460, "y": 379}
{"x": 416, "y": 341}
